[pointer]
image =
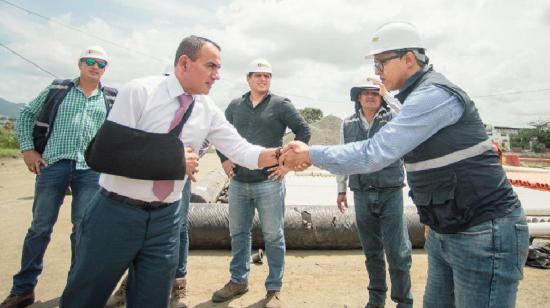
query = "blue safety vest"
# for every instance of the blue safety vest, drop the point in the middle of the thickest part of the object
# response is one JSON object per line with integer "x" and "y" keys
{"x": 455, "y": 178}
{"x": 390, "y": 177}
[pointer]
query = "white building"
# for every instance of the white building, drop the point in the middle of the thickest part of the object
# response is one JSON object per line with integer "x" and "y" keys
{"x": 501, "y": 135}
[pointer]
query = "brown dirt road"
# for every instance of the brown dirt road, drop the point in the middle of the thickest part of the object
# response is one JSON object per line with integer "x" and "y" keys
{"x": 312, "y": 278}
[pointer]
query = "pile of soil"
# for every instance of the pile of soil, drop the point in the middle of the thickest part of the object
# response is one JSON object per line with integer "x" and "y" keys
{"x": 323, "y": 132}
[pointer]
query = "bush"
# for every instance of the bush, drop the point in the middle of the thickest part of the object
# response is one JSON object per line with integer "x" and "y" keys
{"x": 14, "y": 153}
{"x": 8, "y": 140}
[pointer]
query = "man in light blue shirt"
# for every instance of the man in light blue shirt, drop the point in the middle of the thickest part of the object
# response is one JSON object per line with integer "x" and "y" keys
{"x": 460, "y": 190}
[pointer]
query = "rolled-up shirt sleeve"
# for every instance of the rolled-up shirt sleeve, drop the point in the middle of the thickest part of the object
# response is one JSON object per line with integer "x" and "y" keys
{"x": 426, "y": 111}
{"x": 227, "y": 140}
{"x": 25, "y": 120}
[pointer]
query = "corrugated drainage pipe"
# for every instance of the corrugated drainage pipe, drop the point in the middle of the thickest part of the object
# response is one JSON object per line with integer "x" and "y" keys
{"x": 306, "y": 227}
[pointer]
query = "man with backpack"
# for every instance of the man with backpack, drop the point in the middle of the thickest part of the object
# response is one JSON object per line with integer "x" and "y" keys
{"x": 53, "y": 131}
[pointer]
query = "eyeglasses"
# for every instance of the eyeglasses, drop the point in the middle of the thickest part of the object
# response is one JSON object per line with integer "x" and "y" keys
{"x": 379, "y": 63}
{"x": 92, "y": 61}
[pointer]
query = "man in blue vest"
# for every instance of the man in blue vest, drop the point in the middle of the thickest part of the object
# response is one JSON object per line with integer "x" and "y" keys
{"x": 378, "y": 199}
{"x": 60, "y": 164}
{"x": 479, "y": 238}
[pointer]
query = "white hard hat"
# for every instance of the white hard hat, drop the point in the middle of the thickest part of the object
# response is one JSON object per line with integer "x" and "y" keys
{"x": 96, "y": 52}
{"x": 368, "y": 86}
{"x": 395, "y": 35}
{"x": 259, "y": 65}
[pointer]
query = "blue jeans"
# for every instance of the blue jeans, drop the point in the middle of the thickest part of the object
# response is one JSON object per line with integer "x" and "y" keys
{"x": 268, "y": 198}
{"x": 115, "y": 236}
{"x": 382, "y": 229}
{"x": 49, "y": 192}
{"x": 480, "y": 267}
{"x": 181, "y": 270}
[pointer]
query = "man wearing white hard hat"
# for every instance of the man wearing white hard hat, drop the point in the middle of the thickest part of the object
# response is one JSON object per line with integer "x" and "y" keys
{"x": 479, "y": 239}
{"x": 262, "y": 118}
{"x": 378, "y": 199}
{"x": 55, "y": 153}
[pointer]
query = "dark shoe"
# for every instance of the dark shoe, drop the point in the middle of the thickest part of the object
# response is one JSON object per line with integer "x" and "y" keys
{"x": 272, "y": 299}
{"x": 118, "y": 299}
{"x": 18, "y": 301}
{"x": 229, "y": 291}
{"x": 369, "y": 305}
{"x": 178, "y": 296}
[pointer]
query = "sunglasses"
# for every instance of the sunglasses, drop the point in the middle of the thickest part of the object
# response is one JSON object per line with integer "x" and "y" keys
{"x": 92, "y": 61}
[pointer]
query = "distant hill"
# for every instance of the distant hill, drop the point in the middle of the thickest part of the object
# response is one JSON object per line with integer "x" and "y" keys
{"x": 323, "y": 132}
{"x": 9, "y": 109}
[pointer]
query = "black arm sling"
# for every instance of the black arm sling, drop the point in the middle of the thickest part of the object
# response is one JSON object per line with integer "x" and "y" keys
{"x": 121, "y": 150}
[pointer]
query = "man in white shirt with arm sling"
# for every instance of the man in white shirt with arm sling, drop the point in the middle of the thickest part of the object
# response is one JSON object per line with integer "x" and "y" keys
{"x": 134, "y": 224}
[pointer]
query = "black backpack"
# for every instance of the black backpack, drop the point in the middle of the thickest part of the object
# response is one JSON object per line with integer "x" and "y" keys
{"x": 43, "y": 126}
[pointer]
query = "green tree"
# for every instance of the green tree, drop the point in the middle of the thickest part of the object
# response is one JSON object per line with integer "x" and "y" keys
{"x": 542, "y": 132}
{"x": 539, "y": 136}
{"x": 311, "y": 115}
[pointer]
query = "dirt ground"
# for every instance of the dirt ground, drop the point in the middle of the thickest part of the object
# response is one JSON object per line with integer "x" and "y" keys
{"x": 312, "y": 278}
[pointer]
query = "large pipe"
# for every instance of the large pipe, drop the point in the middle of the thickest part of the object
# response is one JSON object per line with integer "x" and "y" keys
{"x": 539, "y": 229}
{"x": 306, "y": 227}
{"x": 314, "y": 227}
{"x": 207, "y": 189}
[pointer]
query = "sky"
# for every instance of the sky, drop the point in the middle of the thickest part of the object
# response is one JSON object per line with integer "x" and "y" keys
{"x": 496, "y": 50}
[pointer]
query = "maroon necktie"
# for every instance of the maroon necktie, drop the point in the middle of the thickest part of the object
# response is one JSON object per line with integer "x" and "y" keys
{"x": 163, "y": 188}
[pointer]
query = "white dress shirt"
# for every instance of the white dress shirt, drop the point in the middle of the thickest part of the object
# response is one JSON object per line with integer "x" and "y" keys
{"x": 149, "y": 104}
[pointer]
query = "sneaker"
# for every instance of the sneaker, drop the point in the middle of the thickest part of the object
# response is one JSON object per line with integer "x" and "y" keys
{"x": 18, "y": 301}
{"x": 229, "y": 291}
{"x": 178, "y": 296}
{"x": 118, "y": 299}
{"x": 273, "y": 299}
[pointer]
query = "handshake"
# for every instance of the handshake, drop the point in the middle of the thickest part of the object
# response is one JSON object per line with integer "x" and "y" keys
{"x": 293, "y": 156}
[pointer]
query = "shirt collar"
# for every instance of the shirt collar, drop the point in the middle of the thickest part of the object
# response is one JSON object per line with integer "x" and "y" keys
{"x": 95, "y": 92}
{"x": 415, "y": 77}
{"x": 380, "y": 112}
{"x": 246, "y": 96}
{"x": 174, "y": 86}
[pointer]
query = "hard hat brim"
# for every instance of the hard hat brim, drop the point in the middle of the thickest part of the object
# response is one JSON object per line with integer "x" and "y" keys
{"x": 355, "y": 91}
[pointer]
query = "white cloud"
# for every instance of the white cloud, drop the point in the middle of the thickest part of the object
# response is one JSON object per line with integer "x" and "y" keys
{"x": 317, "y": 48}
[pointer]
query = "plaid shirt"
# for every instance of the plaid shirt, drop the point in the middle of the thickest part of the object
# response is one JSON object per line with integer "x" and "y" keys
{"x": 77, "y": 121}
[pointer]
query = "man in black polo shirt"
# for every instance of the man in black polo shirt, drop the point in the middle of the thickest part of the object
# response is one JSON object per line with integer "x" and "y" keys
{"x": 262, "y": 118}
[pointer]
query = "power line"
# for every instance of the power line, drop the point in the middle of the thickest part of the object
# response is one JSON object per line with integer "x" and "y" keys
{"x": 135, "y": 51}
{"x": 83, "y": 32}
{"x": 31, "y": 62}
{"x": 223, "y": 80}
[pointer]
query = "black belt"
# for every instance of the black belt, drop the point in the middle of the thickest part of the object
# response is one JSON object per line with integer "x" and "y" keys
{"x": 155, "y": 205}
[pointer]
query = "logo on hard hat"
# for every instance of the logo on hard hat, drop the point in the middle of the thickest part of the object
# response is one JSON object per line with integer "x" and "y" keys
{"x": 263, "y": 65}
{"x": 375, "y": 39}
{"x": 93, "y": 52}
